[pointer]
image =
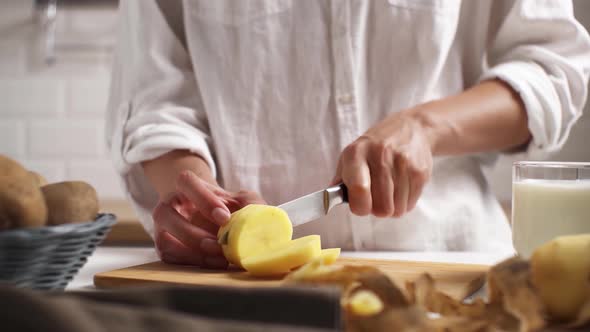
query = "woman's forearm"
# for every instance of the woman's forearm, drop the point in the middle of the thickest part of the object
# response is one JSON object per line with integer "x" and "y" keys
{"x": 488, "y": 117}
{"x": 163, "y": 171}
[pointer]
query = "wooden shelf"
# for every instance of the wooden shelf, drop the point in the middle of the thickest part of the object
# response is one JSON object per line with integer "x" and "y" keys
{"x": 128, "y": 230}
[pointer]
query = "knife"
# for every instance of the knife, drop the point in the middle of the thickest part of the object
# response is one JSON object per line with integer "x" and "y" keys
{"x": 315, "y": 205}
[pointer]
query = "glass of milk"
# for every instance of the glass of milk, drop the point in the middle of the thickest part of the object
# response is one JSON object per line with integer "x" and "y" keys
{"x": 549, "y": 199}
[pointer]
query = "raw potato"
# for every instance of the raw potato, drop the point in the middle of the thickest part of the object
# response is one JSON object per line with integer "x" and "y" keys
{"x": 364, "y": 303}
{"x": 70, "y": 202}
{"x": 21, "y": 201}
{"x": 254, "y": 230}
{"x": 258, "y": 238}
{"x": 283, "y": 258}
{"x": 38, "y": 178}
{"x": 509, "y": 286}
{"x": 329, "y": 256}
{"x": 560, "y": 270}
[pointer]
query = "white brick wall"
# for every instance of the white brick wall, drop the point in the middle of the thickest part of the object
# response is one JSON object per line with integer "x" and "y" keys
{"x": 12, "y": 138}
{"x": 87, "y": 97}
{"x": 98, "y": 173}
{"x": 66, "y": 137}
{"x": 34, "y": 96}
{"x": 54, "y": 170}
{"x": 52, "y": 117}
{"x": 11, "y": 55}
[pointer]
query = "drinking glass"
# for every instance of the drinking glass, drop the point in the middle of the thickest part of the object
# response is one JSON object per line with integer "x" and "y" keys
{"x": 549, "y": 199}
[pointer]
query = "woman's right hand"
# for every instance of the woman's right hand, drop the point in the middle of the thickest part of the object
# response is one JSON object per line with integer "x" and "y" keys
{"x": 186, "y": 222}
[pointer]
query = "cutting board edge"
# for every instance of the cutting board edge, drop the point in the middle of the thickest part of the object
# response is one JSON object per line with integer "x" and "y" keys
{"x": 354, "y": 260}
{"x": 105, "y": 281}
{"x": 114, "y": 279}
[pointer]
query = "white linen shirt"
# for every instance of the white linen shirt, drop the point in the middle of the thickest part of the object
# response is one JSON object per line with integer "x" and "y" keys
{"x": 269, "y": 92}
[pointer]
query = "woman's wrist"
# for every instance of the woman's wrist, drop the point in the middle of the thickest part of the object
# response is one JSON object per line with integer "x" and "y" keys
{"x": 433, "y": 127}
{"x": 163, "y": 171}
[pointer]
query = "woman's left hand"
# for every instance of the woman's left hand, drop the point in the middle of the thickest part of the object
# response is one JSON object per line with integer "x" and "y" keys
{"x": 386, "y": 168}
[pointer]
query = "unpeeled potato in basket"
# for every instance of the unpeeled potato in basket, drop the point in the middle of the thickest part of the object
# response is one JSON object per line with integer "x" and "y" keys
{"x": 70, "y": 202}
{"x": 21, "y": 201}
{"x": 39, "y": 179}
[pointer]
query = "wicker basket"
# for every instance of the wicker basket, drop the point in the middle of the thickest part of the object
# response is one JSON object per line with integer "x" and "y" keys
{"x": 49, "y": 257}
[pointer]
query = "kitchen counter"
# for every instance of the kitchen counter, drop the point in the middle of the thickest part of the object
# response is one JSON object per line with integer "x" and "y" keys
{"x": 127, "y": 230}
{"x": 110, "y": 258}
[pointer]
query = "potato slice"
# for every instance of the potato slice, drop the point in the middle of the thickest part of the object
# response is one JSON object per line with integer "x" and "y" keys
{"x": 560, "y": 270}
{"x": 364, "y": 303}
{"x": 330, "y": 255}
{"x": 282, "y": 259}
{"x": 254, "y": 230}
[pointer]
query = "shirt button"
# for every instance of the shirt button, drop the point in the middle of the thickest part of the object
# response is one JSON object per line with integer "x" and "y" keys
{"x": 345, "y": 99}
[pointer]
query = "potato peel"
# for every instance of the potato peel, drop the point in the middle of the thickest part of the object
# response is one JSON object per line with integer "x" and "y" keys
{"x": 509, "y": 283}
{"x": 513, "y": 305}
{"x": 424, "y": 294}
{"x": 398, "y": 313}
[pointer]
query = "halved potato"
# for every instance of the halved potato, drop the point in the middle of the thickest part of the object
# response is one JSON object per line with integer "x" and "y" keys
{"x": 254, "y": 230}
{"x": 258, "y": 239}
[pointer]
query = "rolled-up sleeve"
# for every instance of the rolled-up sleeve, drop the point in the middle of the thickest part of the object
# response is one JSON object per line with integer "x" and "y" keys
{"x": 543, "y": 53}
{"x": 154, "y": 105}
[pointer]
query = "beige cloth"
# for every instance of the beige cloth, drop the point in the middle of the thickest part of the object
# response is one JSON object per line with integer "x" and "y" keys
{"x": 270, "y": 91}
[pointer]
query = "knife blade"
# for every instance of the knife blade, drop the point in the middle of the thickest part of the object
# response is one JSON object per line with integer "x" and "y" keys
{"x": 315, "y": 205}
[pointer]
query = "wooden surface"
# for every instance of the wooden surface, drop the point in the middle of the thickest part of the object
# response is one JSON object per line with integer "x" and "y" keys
{"x": 457, "y": 280}
{"x": 127, "y": 230}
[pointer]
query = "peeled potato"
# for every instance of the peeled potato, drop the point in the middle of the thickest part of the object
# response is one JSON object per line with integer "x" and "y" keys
{"x": 329, "y": 256}
{"x": 70, "y": 202}
{"x": 254, "y": 230}
{"x": 21, "y": 201}
{"x": 364, "y": 303}
{"x": 258, "y": 238}
{"x": 283, "y": 258}
{"x": 560, "y": 270}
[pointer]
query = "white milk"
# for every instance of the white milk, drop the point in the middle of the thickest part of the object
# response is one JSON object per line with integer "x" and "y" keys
{"x": 544, "y": 209}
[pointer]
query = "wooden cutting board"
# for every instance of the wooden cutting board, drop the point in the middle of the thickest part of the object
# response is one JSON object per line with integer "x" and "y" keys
{"x": 457, "y": 280}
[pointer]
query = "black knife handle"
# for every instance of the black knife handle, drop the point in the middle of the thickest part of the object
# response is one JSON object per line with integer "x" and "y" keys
{"x": 344, "y": 192}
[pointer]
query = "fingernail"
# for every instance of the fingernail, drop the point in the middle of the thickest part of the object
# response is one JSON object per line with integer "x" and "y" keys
{"x": 221, "y": 216}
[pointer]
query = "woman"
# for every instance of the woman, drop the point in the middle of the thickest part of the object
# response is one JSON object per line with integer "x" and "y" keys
{"x": 218, "y": 104}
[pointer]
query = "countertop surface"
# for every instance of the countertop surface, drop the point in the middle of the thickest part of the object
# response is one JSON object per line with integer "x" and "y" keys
{"x": 111, "y": 258}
